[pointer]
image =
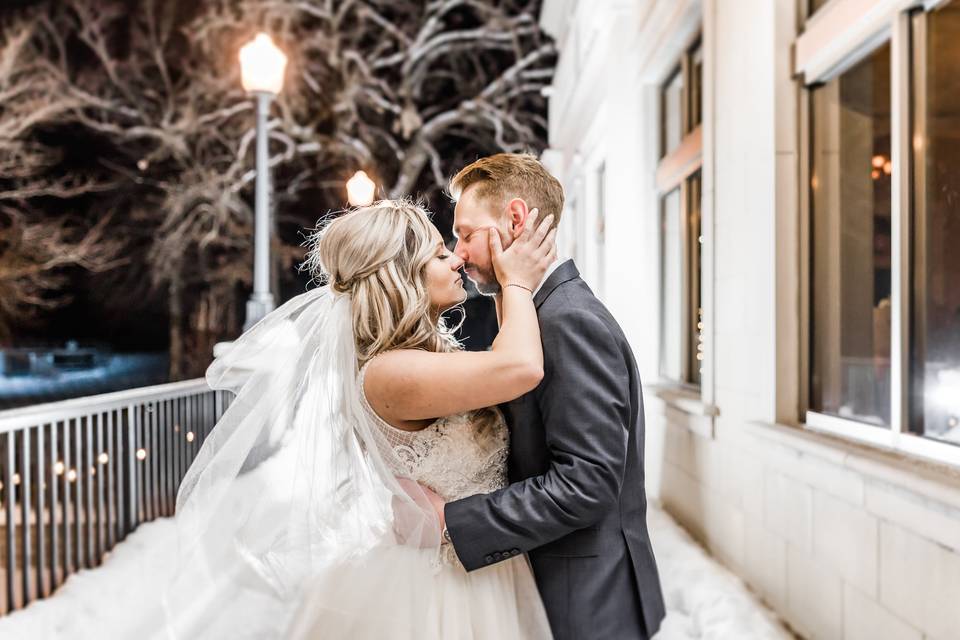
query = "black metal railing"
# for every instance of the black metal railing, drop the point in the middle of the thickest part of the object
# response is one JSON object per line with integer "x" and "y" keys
{"x": 79, "y": 475}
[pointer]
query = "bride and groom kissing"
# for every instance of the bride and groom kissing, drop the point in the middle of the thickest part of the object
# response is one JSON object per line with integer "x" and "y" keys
{"x": 371, "y": 479}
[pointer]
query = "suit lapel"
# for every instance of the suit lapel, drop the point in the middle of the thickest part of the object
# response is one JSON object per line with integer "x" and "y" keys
{"x": 566, "y": 272}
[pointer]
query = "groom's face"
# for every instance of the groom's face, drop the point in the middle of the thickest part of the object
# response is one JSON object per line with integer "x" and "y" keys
{"x": 472, "y": 218}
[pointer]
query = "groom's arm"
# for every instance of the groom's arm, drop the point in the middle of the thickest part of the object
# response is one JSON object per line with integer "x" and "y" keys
{"x": 584, "y": 403}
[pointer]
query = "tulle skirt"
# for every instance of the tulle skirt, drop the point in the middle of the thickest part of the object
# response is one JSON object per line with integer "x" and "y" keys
{"x": 398, "y": 593}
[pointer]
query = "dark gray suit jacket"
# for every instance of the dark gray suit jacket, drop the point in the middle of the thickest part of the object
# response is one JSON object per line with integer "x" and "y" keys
{"x": 576, "y": 504}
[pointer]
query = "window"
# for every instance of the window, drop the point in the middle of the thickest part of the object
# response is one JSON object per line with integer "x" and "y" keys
{"x": 850, "y": 244}
{"x": 816, "y": 5}
{"x": 935, "y": 322}
{"x": 600, "y": 228}
{"x": 679, "y": 188}
{"x": 884, "y": 227}
{"x": 672, "y": 112}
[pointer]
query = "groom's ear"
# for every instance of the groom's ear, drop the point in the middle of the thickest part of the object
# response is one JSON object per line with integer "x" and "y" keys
{"x": 517, "y": 213}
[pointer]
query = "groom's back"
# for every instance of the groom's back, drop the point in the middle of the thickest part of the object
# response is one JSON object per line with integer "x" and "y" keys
{"x": 600, "y": 581}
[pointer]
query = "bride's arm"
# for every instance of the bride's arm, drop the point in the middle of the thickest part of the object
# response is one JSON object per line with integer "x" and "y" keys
{"x": 410, "y": 385}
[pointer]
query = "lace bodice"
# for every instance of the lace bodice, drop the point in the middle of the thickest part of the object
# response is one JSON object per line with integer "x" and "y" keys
{"x": 452, "y": 456}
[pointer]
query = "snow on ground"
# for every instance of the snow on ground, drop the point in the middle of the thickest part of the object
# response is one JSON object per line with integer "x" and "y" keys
{"x": 703, "y": 599}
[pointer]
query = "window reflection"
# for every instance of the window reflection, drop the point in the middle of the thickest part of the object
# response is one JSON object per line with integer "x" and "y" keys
{"x": 935, "y": 326}
{"x": 672, "y": 113}
{"x": 694, "y": 319}
{"x": 850, "y": 243}
{"x": 671, "y": 286}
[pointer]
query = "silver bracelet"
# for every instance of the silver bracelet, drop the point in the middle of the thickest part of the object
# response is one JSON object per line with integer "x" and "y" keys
{"x": 514, "y": 284}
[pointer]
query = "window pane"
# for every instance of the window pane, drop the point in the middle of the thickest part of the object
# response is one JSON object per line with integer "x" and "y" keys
{"x": 696, "y": 88}
{"x": 671, "y": 104}
{"x": 850, "y": 243}
{"x": 935, "y": 366}
{"x": 815, "y": 5}
{"x": 671, "y": 287}
{"x": 694, "y": 253}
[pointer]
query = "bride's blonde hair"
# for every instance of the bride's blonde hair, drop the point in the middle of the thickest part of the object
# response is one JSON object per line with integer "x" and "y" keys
{"x": 377, "y": 255}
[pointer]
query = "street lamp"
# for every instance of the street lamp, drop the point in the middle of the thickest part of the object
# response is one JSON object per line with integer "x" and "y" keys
{"x": 261, "y": 68}
{"x": 360, "y": 189}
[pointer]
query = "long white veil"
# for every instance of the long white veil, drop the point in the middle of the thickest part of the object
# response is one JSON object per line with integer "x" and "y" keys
{"x": 294, "y": 478}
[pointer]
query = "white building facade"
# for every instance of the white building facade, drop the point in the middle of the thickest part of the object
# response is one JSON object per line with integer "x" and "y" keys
{"x": 766, "y": 193}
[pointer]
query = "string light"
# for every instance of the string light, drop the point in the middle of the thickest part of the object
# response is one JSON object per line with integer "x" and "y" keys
{"x": 141, "y": 454}
{"x": 58, "y": 468}
{"x": 189, "y": 436}
{"x": 103, "y": 458}
{"x": 72, "y": 475}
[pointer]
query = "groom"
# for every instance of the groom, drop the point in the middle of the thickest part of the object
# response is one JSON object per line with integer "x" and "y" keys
{"x": 576, "y": 504}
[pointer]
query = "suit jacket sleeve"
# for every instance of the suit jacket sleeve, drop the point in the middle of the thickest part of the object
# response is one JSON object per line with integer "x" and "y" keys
{"x": 584, "y": 404}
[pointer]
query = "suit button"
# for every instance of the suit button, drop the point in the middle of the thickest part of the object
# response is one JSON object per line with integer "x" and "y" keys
{"x": 488, "y": 559}
{"x": 515, "y": 552}
{"x": 497, "y": 555}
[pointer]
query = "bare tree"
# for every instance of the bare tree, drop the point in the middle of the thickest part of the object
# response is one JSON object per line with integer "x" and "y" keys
{"x": 33, "y": 258}
{"x": 406, "y": 90}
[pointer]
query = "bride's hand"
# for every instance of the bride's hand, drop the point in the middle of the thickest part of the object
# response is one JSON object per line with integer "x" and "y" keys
{"x": 526, "y": 260}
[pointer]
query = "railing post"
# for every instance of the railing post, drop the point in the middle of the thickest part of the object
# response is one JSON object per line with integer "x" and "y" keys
{"x": 130, "y": 472}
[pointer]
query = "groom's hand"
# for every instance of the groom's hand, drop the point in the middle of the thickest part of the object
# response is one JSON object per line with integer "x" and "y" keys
{"x": 438, "y": 504}
{"x": 416, "y": 490}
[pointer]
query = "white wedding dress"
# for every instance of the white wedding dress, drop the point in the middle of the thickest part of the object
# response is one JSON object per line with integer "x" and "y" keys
{"x": 427, "y": 597}
{"x": 301, "y": 516}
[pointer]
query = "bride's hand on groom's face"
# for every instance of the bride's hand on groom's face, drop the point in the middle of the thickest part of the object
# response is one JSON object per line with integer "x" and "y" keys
{"x": 526, "y": 260}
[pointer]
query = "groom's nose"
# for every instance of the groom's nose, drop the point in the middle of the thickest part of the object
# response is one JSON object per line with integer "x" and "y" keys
{"x": 456, "y": 262}
{"x": 461, "y": 251}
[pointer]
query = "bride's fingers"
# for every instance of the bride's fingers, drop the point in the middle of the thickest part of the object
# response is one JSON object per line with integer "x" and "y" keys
{"x": 529, "y": 225}
{"x": 552, "y": 240}
{"x": 496, "y": 247}
{"x": 542, "y": 231}
{"x": 548, "y": 248}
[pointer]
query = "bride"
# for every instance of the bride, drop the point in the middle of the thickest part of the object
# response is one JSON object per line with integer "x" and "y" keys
{"x": 305, "y": 513}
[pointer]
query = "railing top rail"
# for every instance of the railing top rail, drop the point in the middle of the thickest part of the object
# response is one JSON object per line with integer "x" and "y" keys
{"x": 46, "y": 413}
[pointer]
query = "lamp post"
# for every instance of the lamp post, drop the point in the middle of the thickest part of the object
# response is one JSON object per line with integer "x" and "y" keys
{"x": 360, "y": 189}
{"x": 261, "y": 68}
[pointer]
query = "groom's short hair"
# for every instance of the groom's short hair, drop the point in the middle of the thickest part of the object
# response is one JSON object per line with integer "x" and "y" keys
{"x": 505, "y": 176}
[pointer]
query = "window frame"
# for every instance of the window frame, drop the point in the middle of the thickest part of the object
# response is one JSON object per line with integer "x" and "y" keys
{"x": 836, "y": 38}
{"x": 675, "y": 170}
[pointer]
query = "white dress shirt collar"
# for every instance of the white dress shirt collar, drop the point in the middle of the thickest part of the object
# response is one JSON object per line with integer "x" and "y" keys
{"x": 553, "y": 267}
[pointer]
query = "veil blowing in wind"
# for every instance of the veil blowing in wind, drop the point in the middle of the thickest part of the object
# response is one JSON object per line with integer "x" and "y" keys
{"x": 292, "y": 481}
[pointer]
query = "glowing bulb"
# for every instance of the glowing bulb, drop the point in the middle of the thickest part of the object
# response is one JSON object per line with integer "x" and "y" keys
{"x": 262, "y": 65}
{"x": 888, "y": 167}
{"x": 877, "y": 161}
{"x": 103, "y": 458}
{"x": 72, "y": 475}
{"x": 875, "y": 174}
{"x": 58, "y": 468}
{"x": 360, "y": 189}
{"x": 141, "y": 454}
{"x": 16, "y": 478}
{"x": 189, "y": 436}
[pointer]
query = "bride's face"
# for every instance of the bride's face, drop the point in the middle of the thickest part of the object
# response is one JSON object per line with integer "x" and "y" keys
{"x": 444, "y": 283}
